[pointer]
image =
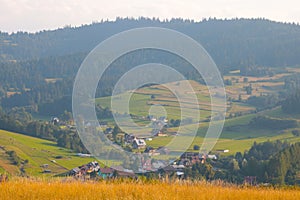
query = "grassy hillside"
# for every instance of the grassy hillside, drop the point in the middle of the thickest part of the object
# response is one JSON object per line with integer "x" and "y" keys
{"x": 37, "y": 152}
{"x": 142, "y": 99}
{"x": 237, "y": 135}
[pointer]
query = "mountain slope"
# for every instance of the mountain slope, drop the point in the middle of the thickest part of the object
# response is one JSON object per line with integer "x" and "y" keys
{"x": 231, "y": 43}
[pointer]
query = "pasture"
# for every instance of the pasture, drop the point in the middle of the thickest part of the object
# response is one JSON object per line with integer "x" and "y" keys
{"x": 37, "y": 152}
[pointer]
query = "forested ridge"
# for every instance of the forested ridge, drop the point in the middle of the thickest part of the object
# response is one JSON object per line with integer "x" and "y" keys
{"x": 232, "y": 43}
{"x": 29, "y": 59}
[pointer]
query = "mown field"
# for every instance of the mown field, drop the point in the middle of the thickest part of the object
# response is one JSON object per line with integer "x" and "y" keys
{"x": 236, "y": 136}
{"x": 243, "y": 141}
{"x": 143, "y": 99}
{"x": 64, "y": 189}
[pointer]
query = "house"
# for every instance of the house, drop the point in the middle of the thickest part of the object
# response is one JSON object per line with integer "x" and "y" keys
{"x": 180, "y": 174}
{"x": 3, "y": 178}
{"x": 75, "y": 171}
{"x": 106, "y": 172}
{"x": 71, "y": 127}
{"x": 161, "y": 134}
{"x": 103, "y": 124}
{"x": 212, "y": 156}
{"x": 138, "y": 144}
{"x": 159, "y": 124}
{"x": 148, "y": 149}
{"x": 125, "y": 174}
{"x": 151, "y": 151}
{"x": 47, "y": 171}
{"x": 146, "y": 165}
{"x": 108, "y": 130}
{"x": 85, "y": 171}
{"x": 251, "y": 180}
{"x": 222, "y": 150}
{"x": 190, "y": 158}
{"x": 185, "y": 162}
{"x": 84, "y": 155}
{"x": 44, "y": 165}
{"x": 93, "y": 167}
{"x": 54, "y": 120}
{"x": 173, "y": 169}
{"x": 168, "y": 169}
{"x": 151, "y": 118}
{"x": 163, "y": 150}
{"x": 118, "y": 167}
{"x": 179, "y": 167}
{"x": 202, "y": 158}
{"x": 128, "y": 138}
{"x": 163, "y": 119}
{"x": 189, "y": 155}
{"x": 117, "y": 171}
{"x": 158, "y": 164}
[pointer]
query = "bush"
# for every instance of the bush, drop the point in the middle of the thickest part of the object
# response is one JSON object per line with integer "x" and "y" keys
{"x": 196, "y": 147}
{"x": 58, "y": 157}
{"x": 272, "y": 123}
{"x": 14, "y": 158}
{"x": 296, "y": 133}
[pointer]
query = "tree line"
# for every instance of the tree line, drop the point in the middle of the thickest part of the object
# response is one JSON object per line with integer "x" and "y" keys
{"x": 232, "y": 43}
{"x": 269, "y": 162}
{"x": 22, "y": 122}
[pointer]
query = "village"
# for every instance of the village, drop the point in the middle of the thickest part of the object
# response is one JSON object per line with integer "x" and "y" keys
{"x": 186, "y": 160}
{"x": 148, "y": 162}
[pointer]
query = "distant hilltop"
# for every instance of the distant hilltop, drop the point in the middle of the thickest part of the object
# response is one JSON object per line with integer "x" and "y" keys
{"x": 231, "y": 43}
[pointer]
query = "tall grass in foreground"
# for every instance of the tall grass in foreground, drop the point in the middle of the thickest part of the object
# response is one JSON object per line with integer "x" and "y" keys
{"x": 66, "y": 189}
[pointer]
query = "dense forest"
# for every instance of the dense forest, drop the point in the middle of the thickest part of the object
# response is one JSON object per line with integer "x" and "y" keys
{"x": 291, "y": 103}
{"x": 47, "y": 81}
{"x": 231, "y": 43}
{"x": 268, "y": 162}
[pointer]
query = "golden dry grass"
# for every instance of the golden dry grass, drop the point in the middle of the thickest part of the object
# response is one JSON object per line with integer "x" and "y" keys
{"x": 58, "y": 189}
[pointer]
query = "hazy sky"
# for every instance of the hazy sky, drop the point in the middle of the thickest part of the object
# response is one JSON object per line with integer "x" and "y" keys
{"x": 35, "y": 15}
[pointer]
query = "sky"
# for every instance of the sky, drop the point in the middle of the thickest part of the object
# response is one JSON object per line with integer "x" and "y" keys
{"x": 37, "y": 15}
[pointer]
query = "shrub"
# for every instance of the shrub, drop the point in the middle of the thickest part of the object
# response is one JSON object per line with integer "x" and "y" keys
{"x": 196, "y": 147}
{"x": 296, "y": 133}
